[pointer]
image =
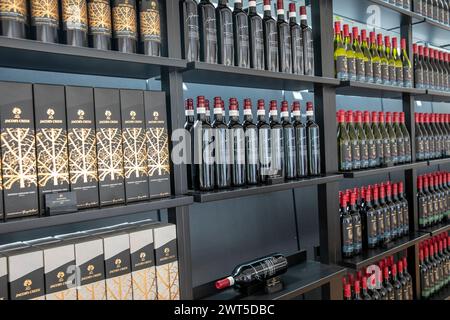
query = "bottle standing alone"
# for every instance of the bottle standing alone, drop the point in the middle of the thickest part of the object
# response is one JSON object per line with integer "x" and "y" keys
{"x": 256, "y": 37}
{"x": 150, "y": 27}
{"x": 251, "y": 145}
{"x": 124, "y": 25}
{"x": 241, "y": 36}
{"x": 313, "y": 140}
{"x": 237, "y": 146}
{"x": 300, "y": 141}
{"x": 208, "y": 32}
{"x": 222, "y": 147}
{"x": 190, "y": 28}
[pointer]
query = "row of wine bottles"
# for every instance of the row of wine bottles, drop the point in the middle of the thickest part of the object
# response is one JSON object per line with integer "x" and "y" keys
{"x": 369, "y": 140}
{"x": 244, "y": 39}
{"x": 372, "y": 217}
{"x": 390, "y": 281}
{"x": 433, "y": 195}
{"x": 434, "y": 265}
{"x": 233, "y": 154}
{"x": 358, "y": 58}
{"x": 93, "y": 22}
{"x": 405, "y": 4}
{"x": 431, "y": 68}
{"x": 437, "y": 10}
{"x": 432, "y": 136}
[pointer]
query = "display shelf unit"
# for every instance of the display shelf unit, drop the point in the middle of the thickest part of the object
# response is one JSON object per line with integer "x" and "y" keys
{"x": 256, "y": 190}
{"x": 435, "y": 230}
{"x": 364, "y": 89}
{"x": 372, "y": 256}
{"x": 93, "y": 214}
{"x": 435, "y": 96}
{"x": 443, "y": 294}
{"x": 386, "y": 170}
{"x": 439, "y": 162}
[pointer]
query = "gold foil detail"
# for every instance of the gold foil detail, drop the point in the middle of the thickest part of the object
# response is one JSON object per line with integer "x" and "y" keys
{"x": 52, "y": 157}
{"x": 69, "y": 294}
{"x": 45, "y": 9}
{"x": 168, "y": 286}
{"x": 150, "y": 24}
{"x": 92, "y": 291}
{"x": 124, "y": 17}
{"x": 14, "y": 10}
{"x": 158, "y": 151}
{"x": 110, "y": 165}
{"x": 82, "y": 155}
{"x": 75, "y": 13}
{"x": 119, "y": 288}
{"x": 18, "y": 158}
{"x": 134, "y": 153}
{"x": 144, "y": 284}
{"x": 100, "y": 16}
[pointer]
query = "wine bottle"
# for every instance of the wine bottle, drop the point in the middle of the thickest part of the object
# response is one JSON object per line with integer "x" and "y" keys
{"x": 365, "y": 294}
{"x": 203, "y": 164}
{"x": 436, "y": 75}
{"x": 150, "y": 27}
{"x": 290, "y": 161}
{"x": 224, "y": 19}
{"x": 344, "y": 144}
{"x": 405, "y": 208}
{"x": 347, "y": 292}
{"x": 237, "y": 145}
{"x": 422, "y": 203}
{"x": 354, "y": 141}
{"x": 430, "y": 69}
{"x": 384, "y": 61}
{"x": 189, "y": 126}
{"x": 386, "y": 215}
{"x": 391, "y": 61}
{"x": 369, "y": 222}
{"x": 392, "y": 212}
{"x": 270, "y": 39}
{"x": 241, "y": 36}
{"x": 388, "y": 155}
{"x": 381, "y": 288}
{"x": 379, "y": 210}
{"x": 398, "y": 57}
{"x": 255, "y": 272}
{"x": 313, "y": 140}
{"x": 308, "y": 47}
{"x": 222, "y": 147}
{"x": 346, "y": 228}
{"x": 424, "y": 277}
{"x": 379, "y": 142}
{"x": 75, "y": 22}
{"x": 264, "y": 143}
{"x": 251, "y": 145}
{"x": 350, "y": 53}
{"x": 399, "y": 209}
{"x": 362, "y": 138}
{"x": 430, "y": 269}
{"x": 256, "y": 32}
{"x": 300, "y": 141}
{"x": 401, "y": 152}
{"x": 419, "y": 81}
{"x": 124, "y": 25}
{"x": 359, "y": 57}
{"x": 368, "y": 61}
{"x": 356, "y": 222}
{"x": 406, "y": 138}
{"x": 284, "y": 36}
{"x": 14, "y": 19}
{"x": 100, "y": 27}
{"x": 387, "y": 284}
{"x": 45, "y": 20}
{"x": 376, "y": 59}
{"x": 190, "y": 30}
{"x": 419, "y": 139}
{"x": 298, "y": 64}
{"x": 398, "y": 289}
{"x": 428, "y": 143}
{"x": 393, "y": 138}
{"x": 276, "y": 142}
{"x": 340, "y": 54}
{"x": 371, "y": 142}
{"x": 208, "y": 32}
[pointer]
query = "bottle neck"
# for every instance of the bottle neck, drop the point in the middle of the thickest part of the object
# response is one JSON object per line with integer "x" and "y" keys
{"x": 252, "y": 8}
{"x": 248, "y": 118}
{"x": 261, "y": 118}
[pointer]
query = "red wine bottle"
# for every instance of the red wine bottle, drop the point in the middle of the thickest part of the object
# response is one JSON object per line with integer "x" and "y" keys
{"x": 393, "y": 213}
{"x": 398, "y": 290}
{"x": 418, "y": 67}
{"x": 189, "y": 126}
{"x": 255, "y": 272}
{"x": 424, "y": 276}
{"x": 14, "y": 19}
{"x": 387, "y": 284}
{"x": 203, "y": 165}
{"x": 264, "y": 143}
{"x": 300, "y": 141}
{"x": 382, "y": 289}
{"x": 365, "y": 294}
{"x": 290, "y": 161}
{"x": 380, "y": 215}
{"x": 386, "y": 215}
{"x": 256, "y": 37}
{"x": 208, "y": 32}
{"x": 241, "y": 36}
{"x": 297, "y": 41}
{"x": 190, "y": 30}
{"x": 406, "y": 138}
{"x": 405, "y": 208}
{"x": 45, "y": 20}
{"x": 284, "y": 36}
{"x": 100, "y": 27}
{"x": 224, "y": 19}
{"x": 313, "y": 140}
{"x": 150, "y": 27}
{"x": 222, "y": 147}
{"x": 362, "y": 138}
{"x": 124, "y": 25}
{"x": 75, "y": 23}
{"x": 276, "y": 142}
{"x": 347, "y": 292}
{"x": 237, "y": 145}
{"x": 251, "y": 145}
{"x": 399, "y": 209}
{"x": 357, "y": 294}
{"x": 270, "y": 39}
{"x": 346, "y": 228}
{"x": 308, "y": 43}
{"x": 356, "y": 222}
{"x": 402, "y": 280}
{"x": 408, "y": 279}
{"x": 369, "y": 221}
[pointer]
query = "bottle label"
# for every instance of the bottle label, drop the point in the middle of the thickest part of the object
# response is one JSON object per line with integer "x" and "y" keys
{"x": 150, "y": 21}
{"x": 74, "y": 15}
{"x": 45, "y": 13}
{"x": 369, "y": 70}
{"x": 372, "y": 153}
{"x": 15, "y": 10}
{"x": 309, "y": 113}
{"x": 377, "y": 73}
{"x": 209, "y": 23}
{"x": 347, "y": 236}
{"x": 407, "y": 77}
{"x": 286, "y": 50}
{"x": 399, "y": 76}
{"x": 189, "y": 113}
{"x": 302, "y": 152}
{"x": 277, "y": 151}
{"x": 99, "y": 17}
{"x": 387, "y": 151}
{"x": 351, "y": 68}
{"x": 227, "y": 28}
{"x": 192, "y": 24}
{"x": 265, "y": 156}
{"x": 345, "y": 154}
{"x": 342, "y": 68}
{"x": 233, "y": 113}
{"x": 380, "y": 151}
{"x": 238, "y": 152}
{"x": 356, "y": 155}
{"x": 392, "y": 78}
{"x": 252, "y": 3}
{"x": 251, "y": 143}
{"x": 258, "y": 36}
{"x": 247, "y": 112}
{"x": 364, "y": 148}
{"x": 297, "y": 50}
{"x": 360, "y": 69}
{"x": 357, "y": 233}
{"x": 380, "y": 224}
{"x": 384, "y": 73}
{"x": 124, "y": 19}
{"x": 296, "y": 113}
{"x": 309, "y": 51}
{"x": 372, "y": 229}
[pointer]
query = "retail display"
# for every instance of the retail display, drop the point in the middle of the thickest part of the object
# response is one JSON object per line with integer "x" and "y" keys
{"x": 432, "y": 136}
{"x": 433, "y": 196}
{"x": 431, "y": 68}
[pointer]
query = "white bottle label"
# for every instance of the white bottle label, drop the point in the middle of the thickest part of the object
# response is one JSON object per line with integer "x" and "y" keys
{"x": 261, "y": 112}
{"x": 267, "y": 8}
{"x": 284, "y": 114}
{"x": 189, "y": 113}
{"x": 296, "y": 114}
{"x": 303, "y": 17}
{"x": 310, "y": 113}
{"x": 234, "y": 113}
{"x": 252, "y": 3}
{"x": 280, "y": 12}
{"x": 247, "y": 112}
{"x": 292, "y": 15}
{"x": 217, "y": 110}
{"x": 201, "y": 110}
{"x": 273, "y": 113}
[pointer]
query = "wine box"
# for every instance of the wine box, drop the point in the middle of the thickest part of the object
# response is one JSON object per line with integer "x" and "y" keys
{"x": 82, "y": 146}
{"x": 143, "y": 264}
{"x": 3, "y": 278}
{"x": 134, "y": 145}
{"x": 60, "y": 277}
{"x": 26, "y": 274}
{"x": 18, "y": 149}
{"x": 89, "y": 259}
{"x": 166, "y": 260}
{"x": 109, "y": 146}
{"x": 157, "y": 144}
{"x": 51, "y": 140}
{"x": 117, "y": 266}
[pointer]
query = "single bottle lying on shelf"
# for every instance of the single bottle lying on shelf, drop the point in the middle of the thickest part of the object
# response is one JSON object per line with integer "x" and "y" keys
{"x": 372, "y": 217}
{"x": 368, "y": 140}
{"x": 384, "y": 63}
{"x": 385, "y": 280}
{"x": 433, "y": 196}
{"x": 431, "y": 68}
{"x": 247, "y": 153}
{"x": 434, "y": 265}
{"x": 432, "y": 136}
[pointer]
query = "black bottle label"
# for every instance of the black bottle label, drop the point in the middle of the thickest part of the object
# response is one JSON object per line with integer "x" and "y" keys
{"x": 285, "y": 48}
{"x": 356, "y": 155}
{"x": 372, "y": 237}
{"x": 347, "y": 236}
{"x": 251, "y": 146}
{"x": 345, "y": 155}
{"x": 372, "y": 153}
{"x": 308, "y": 51}
{"x": 272, "y": 53}
{"x": 380, "y": 151}
{"x": 99, "y": 17}
{"x": 45, "y": 13}
{"x": 342, "y": 67}
{"x": 16, "y": 10}
{"x": 150, "y": 21}
{"x": 277, "y": 151}
{"x": 192, "y": 24}
{"x": 297, "y": 50}
{"x": 380, "y": 224}
{"x": 357, "y": 233}
{"x": 377, "y": 73}
{"x": 243, "y": 44}
{"x": 419, "y": 77}
{"x": 124, "y": 19}
{"x": 74, "y": 15}
{"x": 257, "y": 38}
{"x": 265, "y": 156}
{"x": 290, "y": 153}
{"x": 314, "y": 151}
{"x": 364, "y": 148}
{"x": 227, "y": 38}
{"x": 387, "y": 150}
{"x": 302, "y": 152}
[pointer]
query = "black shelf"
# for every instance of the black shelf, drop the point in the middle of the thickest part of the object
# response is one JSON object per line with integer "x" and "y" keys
{"x": 436, "y": 24}
{"x": 435, "y": 230}
{"x": 369, "y": 257}
{"x": 371, "y": 90}
{"x": 405, "y": 12}
{"x": 435, "y": 96}
{"x": 443, "y": 294}
{"x": 438, "y": 162}
{"x": 35, "y": 55}
{"x": 256, "y": 190}
{"x": 298, "y": 280}
{"x": 377, "y": 171}
{"x": 217, "y": 74}
{"x": 93, "y": 214}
